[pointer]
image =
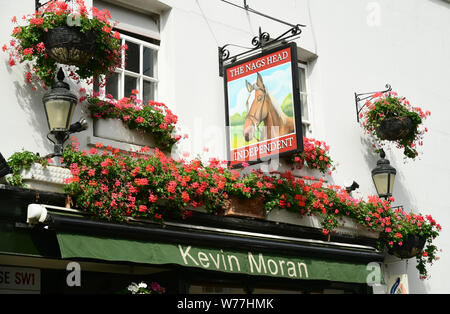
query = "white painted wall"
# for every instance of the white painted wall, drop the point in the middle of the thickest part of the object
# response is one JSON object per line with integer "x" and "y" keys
{"x": 361, "y": 46}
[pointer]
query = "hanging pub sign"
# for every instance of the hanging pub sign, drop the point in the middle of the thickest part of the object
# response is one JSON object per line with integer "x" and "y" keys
{"x": 262, "y": 106}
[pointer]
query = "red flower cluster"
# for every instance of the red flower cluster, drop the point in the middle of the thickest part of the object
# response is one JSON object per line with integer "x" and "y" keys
{"x": 153, "y": 118}
{"x": 314, "y": 155}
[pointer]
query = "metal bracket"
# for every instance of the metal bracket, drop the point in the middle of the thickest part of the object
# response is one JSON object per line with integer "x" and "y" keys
{"x": 246, "y": 7}
{"x": 258, "y": 42}
{"x": 358, "y": 98}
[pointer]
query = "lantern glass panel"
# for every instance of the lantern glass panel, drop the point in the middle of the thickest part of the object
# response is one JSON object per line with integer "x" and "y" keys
{"x": 59, "y": 114}
{"x": 384, "y": 183}
{"x": 380, "y": 181}
{"x": 391, "y": 183}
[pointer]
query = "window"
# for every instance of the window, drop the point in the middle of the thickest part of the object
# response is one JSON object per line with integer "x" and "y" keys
{"x": 304, "y": 98}
{"x": 138, "y": 70}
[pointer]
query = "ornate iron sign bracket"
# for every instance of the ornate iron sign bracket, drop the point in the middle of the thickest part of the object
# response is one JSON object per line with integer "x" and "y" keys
{"x": 261, "y": 41}
{"x": 358, "y": 99}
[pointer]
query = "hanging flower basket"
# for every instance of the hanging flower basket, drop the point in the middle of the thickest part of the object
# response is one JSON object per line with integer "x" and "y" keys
{"x": 411, "y": 247}
{"x": 68, "y": 45}
{"x": 389, "y": 117}
{"x": 395, "y": 128}
{"x": 82, "y": 39}
{"x": 242, "y": 207}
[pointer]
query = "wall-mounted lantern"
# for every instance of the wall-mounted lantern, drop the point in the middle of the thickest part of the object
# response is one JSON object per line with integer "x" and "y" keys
{"x": 384, "y": 176}
{"x": 59, "y": 104}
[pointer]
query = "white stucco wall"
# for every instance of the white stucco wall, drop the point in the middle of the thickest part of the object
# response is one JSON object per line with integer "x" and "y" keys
{"x": 361, "y": 46}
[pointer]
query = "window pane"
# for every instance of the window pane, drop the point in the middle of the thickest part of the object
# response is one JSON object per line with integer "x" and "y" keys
{"x": 302, "y": 79}
{"x": 132, "y": 62}
{"x": 304, "y": 104}
{"x": 130, "y": 84}
{"x": 149, "y": 56}
{"x": 305, "y": 129}
{"x": 112, "y": 85}
{"x": 149, "y": 92}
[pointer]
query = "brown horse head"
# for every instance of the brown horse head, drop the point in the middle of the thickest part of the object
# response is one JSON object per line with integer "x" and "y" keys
{"x": 257, "y": 103}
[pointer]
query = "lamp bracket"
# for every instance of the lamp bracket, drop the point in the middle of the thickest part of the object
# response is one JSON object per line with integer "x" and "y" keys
{"x": 368, "y": 97}
{"x": 62, "y": 136}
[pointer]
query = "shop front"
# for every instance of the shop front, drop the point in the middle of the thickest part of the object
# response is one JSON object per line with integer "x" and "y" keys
{"x": 70, "y": 252}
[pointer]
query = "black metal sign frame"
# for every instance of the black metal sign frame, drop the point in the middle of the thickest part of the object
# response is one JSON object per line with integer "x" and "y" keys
{"x": 296, "y": 103}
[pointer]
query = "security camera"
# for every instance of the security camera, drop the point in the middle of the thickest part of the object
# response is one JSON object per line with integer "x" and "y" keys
{"x": 78, "y": 126}
{"x": 351, "y": 186}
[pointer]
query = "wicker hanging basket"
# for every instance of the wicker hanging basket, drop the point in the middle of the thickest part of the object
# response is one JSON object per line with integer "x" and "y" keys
{"x": 411, "y": 247}
{"x": 68, "y": 45}
{"x": 394, "y": 128}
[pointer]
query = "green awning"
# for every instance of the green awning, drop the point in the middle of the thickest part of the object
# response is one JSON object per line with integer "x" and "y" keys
{"x": 216, "y": 259}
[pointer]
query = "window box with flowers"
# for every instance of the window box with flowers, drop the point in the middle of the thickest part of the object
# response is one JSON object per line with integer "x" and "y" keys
{"x": 124, "y": 186}
{"x": 62, "y": 33}
{"x": 31, "y": 171}
{"x": 244, "y": 196}
{"x": 129, "y": 120}
{"x": 315, "y": 156}
{"x": 392, "y": 118}
{"x": 121, "y": 187}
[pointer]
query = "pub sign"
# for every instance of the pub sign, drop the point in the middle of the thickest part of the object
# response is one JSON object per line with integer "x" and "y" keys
{"x": 262, "y": 106}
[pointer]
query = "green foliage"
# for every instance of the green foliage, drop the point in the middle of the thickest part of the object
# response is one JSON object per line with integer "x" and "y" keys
{"x": 23, "y": 160}
{"x": 238, "y": 119}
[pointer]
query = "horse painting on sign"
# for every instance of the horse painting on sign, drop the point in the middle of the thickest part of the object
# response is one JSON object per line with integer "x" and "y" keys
{"x": 263, "y": 107}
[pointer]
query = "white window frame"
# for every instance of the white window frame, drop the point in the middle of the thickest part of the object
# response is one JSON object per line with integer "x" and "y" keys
{"x": 140, "y": 76}
{"x": 307, "y": 93}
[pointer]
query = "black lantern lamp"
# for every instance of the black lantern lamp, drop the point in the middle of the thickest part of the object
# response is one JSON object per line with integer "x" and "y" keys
{"x": 384, "y": 176}
{"x": 59, "y": 104}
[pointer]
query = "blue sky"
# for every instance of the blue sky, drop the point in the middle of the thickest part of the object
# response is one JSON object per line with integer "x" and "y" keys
{"x": 277, "y": 81}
